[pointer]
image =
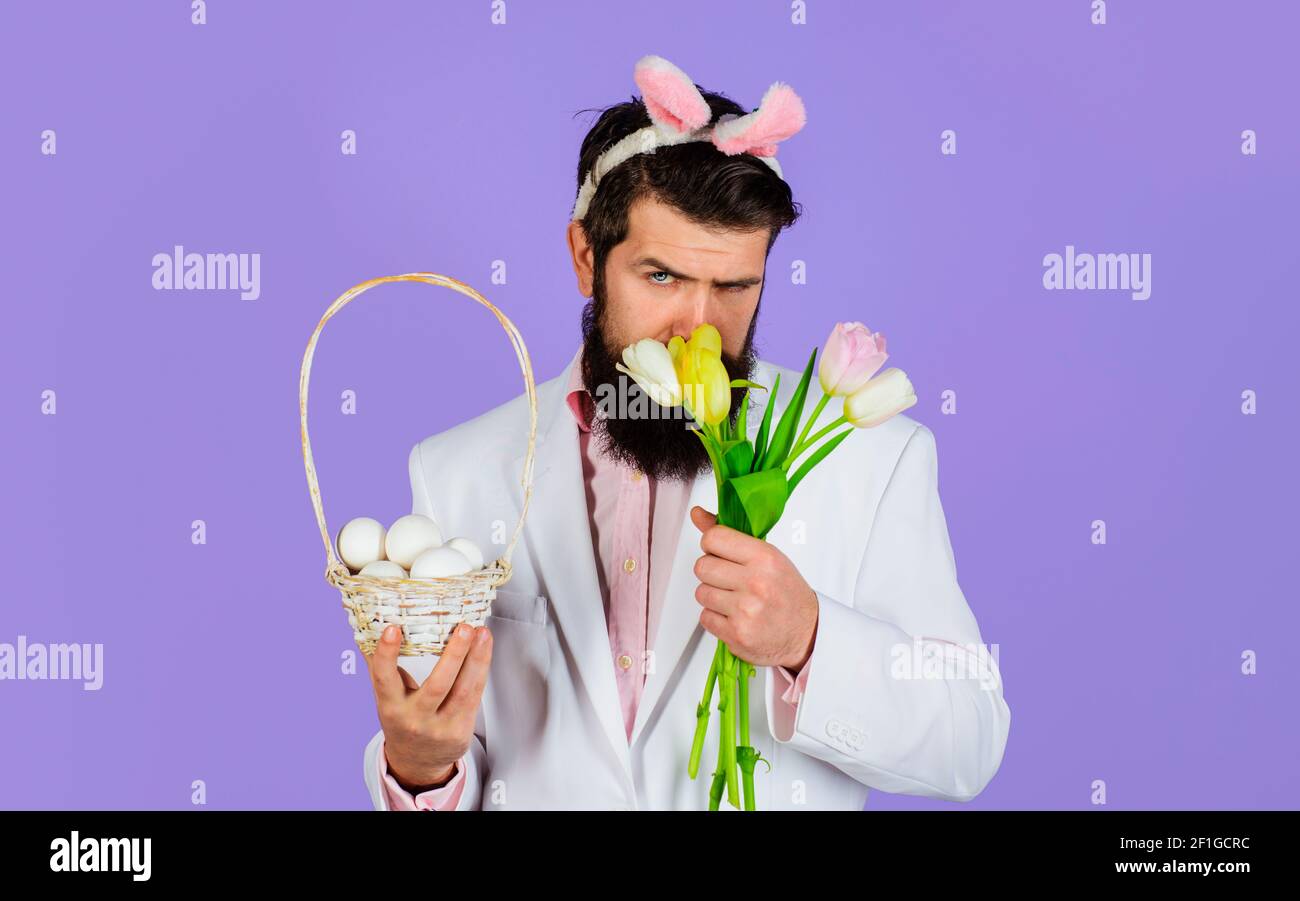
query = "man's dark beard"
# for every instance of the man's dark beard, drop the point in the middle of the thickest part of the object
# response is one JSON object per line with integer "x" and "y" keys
{"x": 660, "y": 442}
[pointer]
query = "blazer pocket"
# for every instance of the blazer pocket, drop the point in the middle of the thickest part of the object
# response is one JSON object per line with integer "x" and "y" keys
{"x": 517, "y": 697}
{"x": 519, "y": 607}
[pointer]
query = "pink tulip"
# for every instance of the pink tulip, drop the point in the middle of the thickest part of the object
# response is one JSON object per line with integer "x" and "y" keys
{"x": 851, "y": 356}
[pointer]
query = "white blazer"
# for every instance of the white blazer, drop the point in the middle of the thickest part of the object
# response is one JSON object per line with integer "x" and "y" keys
{"x": 902, "y": 695}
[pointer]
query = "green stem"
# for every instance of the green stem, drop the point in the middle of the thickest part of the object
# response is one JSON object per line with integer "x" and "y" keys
{"x": 800, "y": 448}
{"x": 744, "y": 700}
{"x": 727, "y": 741}
{"x": 702, "y": 714}
{"x": 731, "y": 676}
{"x": 747, "y": 774}
{"x": 711, "y": 443}
{"x": 715, "y": 789}
{"x": 746, "y": 760}
{"x": 817, "y": 411}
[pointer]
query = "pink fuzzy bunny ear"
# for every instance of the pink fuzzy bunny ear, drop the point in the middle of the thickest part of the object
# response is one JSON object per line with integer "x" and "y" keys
{"x": 670, "y": 97}
{"x": 778, "y": 116}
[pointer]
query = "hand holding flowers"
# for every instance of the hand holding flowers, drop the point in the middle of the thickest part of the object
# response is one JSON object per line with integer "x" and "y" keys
{"x": 754, "y": 483}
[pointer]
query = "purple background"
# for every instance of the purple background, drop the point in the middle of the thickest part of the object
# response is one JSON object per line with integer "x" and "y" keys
{"x": 1121, "y": 662}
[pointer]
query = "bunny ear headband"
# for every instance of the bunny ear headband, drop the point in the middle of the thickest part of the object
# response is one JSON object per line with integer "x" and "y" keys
{"x": 681, "y": 115}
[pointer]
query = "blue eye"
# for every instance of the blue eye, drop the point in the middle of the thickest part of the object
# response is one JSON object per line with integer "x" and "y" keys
{"x": 733, "y": 289}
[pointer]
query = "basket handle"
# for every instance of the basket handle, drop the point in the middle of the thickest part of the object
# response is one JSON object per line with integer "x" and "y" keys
{"x": 525, "y": 366}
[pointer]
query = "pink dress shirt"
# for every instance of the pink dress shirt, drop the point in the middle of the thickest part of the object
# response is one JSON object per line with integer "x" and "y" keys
{"x": 635, "y": 525}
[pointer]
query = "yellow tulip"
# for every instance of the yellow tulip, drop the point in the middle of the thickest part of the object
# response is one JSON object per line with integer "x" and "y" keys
{"x": 684, "y": 365}
{"x": 714, "y": 388}
{"x": 676, "y": 344}
{"x": 706, "y": 387}
{"x": 706, "y": 338}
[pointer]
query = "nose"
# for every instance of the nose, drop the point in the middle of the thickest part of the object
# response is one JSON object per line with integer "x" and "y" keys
{"x": 695, "y": 307}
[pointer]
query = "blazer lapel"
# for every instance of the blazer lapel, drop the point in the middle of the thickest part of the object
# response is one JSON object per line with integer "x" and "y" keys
{"x": 679, "y": 621}
{"x": 557, "y": 533}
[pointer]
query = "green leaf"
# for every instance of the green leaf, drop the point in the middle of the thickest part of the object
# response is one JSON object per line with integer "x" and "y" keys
{"x": 743, "y": 415}
{"x": 722, "y": 449}
{"x": 761, "y": 495}
{"x": 731, "y": 512}
{"x": 760, "y": 443}
{"x": 783, "y": 438}
{"x": 817, "y": 457}
{"x": 738, "y": 458}
{"x": 739, "y": 431}
{"x": 712, "y": 451}
{"x": 740, "y": 417}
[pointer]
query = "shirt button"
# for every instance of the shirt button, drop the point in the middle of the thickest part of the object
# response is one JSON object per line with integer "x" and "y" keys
{"x": 624, "y": 661}
{"x": 629, "y": 564}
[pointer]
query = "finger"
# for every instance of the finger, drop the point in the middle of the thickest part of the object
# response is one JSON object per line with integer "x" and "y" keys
{"x": 731, "y": 544}
{"x": 717, "y": 625}
{"x": 383, "y": 667}
{"x": 435, "y": 688}
{"x": 408, "y": 680}
{"x": 702, "y": 518}
{"x": 720, "y": 573}
{"x": 718, "y": 600}
{"x": 465, "y": 694}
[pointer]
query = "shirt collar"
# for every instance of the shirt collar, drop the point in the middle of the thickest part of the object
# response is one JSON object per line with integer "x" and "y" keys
{"x": 577, "y": 397}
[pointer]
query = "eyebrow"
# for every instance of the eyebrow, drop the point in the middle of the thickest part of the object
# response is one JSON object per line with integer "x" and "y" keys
{"x": 730, "y": 283}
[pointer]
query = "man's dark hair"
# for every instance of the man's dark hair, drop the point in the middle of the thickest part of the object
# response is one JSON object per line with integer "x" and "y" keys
{"x": 733, "y": 193}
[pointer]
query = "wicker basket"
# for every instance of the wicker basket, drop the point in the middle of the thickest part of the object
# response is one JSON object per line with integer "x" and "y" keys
{"x": 426, "y": 609}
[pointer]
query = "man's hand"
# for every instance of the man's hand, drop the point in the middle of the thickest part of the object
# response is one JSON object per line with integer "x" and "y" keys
{"x": 753, "y": 597}
{"x": 428, "y": 727}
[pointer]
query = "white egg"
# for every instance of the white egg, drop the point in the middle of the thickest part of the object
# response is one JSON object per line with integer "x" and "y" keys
{"x": 360, "y": 541}
{"x": 438, "y": 562}
{"x": 383, "y": 569}
{"x": 411, "y": 536}
{"x": 469, "y": 549}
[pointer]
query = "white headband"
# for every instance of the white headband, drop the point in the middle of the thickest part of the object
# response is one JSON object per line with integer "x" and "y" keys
{"x": 680, "y": 115}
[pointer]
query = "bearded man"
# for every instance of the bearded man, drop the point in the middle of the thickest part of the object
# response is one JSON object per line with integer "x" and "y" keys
{"x": 581, "y": 689}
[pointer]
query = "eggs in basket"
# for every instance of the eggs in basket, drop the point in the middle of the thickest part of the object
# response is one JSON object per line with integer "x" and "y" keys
{"x": 424, "y": 583}
{"x": 411, "y": 548}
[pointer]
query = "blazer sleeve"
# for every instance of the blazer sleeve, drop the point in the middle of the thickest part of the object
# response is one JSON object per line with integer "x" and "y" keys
{"x": 902, "y": 694}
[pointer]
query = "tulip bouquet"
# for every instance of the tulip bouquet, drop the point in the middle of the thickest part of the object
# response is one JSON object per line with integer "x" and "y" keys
{"x": 754, "y": 479}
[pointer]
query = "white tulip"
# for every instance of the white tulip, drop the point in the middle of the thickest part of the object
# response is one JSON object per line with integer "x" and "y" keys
{"x": 651, "y": 366}
{"x": 880, "y": 398}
